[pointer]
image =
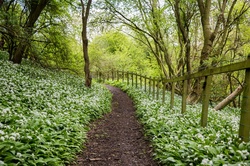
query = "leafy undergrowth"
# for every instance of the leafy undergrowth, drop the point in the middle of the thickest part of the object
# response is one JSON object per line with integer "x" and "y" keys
{"x": 44, "y": 114}
{"x": 180, "y": 140}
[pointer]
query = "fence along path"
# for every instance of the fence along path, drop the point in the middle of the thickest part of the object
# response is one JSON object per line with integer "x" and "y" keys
{"x": 153, "y": 85}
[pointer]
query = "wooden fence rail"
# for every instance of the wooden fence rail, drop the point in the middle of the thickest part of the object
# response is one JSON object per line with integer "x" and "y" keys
{"x": 153, "y": 85}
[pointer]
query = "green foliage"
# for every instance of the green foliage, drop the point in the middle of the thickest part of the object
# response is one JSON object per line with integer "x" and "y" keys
{"x": 4, "y": 55}
{"x": 61, "y": 51}
{"x": 57, "y": 31}
{"x": 178, "y": 139}
{"x": 53, "y": 42}
{"x": 115, "y": 50}
{"x": 45, "y": 114}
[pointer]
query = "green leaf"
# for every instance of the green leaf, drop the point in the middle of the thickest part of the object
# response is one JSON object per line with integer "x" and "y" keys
{"x": 171, "y": 159}
{"x": 212, "y": 150}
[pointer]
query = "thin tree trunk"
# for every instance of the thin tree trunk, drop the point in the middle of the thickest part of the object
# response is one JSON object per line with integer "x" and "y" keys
{"x": 183, "y": 20}
{"x": 85, "y": 15}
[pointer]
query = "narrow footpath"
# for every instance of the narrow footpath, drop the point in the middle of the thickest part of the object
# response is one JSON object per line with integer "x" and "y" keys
{"x": 117, "y": 139}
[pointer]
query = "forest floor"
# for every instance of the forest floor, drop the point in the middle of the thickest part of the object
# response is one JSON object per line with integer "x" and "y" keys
{"x": 117, "y": 139}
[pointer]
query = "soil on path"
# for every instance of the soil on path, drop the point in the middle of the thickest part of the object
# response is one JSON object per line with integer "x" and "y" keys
{"x": 117, "y": 139}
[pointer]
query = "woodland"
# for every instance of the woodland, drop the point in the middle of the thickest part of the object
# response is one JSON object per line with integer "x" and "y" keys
{"x": 155, "y": 38}
{"x": 56, "y": 47}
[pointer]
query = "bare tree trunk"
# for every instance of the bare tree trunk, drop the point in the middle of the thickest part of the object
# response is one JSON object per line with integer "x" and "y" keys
{"x": 85, "y": 15}
{"x": 229, "y": 98}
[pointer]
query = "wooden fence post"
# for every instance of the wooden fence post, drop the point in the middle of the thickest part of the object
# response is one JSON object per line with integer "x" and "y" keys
{"x": 184, "y": 97}
{"x": 163, "y": 91}
{"x": 157, "y": 90}
{"x": 145, "y": 83}
{"x": 141, "y": 81}
{"x": 136, "y": 79}
{"x": 172, "y": 95}
{"x": 245, "y": 109}
{"x": 99, "y": 76}
{"x": 117, "y": 75}
{"x": 96, "y": 75}
{"x": 205, "y": 100}
{"x": 102, "y": 76}
{"x": 128, "y": 78}
{"x": 149, "y": 85}
{"x": 153, "y": 88}
{"x": 123, "y": 76}
{"x": 132, "y": 77}
{"x": 112, "y": 75}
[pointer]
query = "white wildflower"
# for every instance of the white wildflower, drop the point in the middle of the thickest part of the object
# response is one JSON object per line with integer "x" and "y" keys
{"x": 200, "y": 136}
{"x": 48, "y": 122}
{"x": 220, "y": 156}
{"x": 1, "y": 132}
{"x": 5, "y": 111}
{"x": 1, "y": 162}
{"x": 7, "y": 127}
{"x": 218, "y": 135}
{"x": 245, "y": 152}
{"x": 16, "y": 135}
{"x": 206, "y": 162}
{"x": 19, "y": 155}
{"x": 12, "y": 138}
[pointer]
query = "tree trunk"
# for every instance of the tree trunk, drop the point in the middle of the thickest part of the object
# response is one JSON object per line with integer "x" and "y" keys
{"x": 85, "y": 15}
{"x": 183, "y": 21}
{"x": 88, "y": 78}
{"x": 204, "y": 8}
{"x": 2, "y": 42}
{"x": 35, "y": 12}
{"x": 18, "y": 55}
{"x": 229, "y": 98}
{"x": 1, "y": 3}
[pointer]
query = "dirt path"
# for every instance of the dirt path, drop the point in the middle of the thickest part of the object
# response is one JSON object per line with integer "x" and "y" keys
{"x": 117, "y": 139}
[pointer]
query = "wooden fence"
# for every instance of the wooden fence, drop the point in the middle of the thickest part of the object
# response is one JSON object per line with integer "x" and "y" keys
{"x": 153, "y": 85}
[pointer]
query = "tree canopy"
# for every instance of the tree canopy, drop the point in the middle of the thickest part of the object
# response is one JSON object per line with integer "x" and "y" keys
{"x": 154, "y": 37}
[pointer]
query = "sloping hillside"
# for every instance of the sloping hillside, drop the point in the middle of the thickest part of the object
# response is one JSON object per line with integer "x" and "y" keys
{"x": 44, "y": 114}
